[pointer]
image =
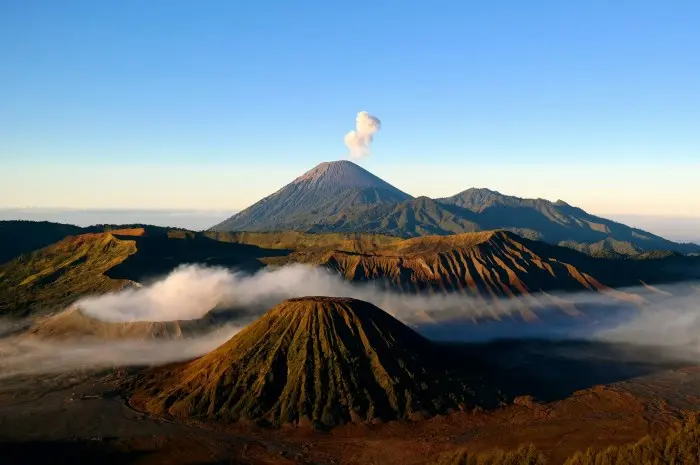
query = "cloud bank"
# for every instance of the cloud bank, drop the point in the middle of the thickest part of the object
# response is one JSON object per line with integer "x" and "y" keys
{"x": 190, "y": 292}
{"x": 25, "y": 356}
{"x": 672, "y": 324}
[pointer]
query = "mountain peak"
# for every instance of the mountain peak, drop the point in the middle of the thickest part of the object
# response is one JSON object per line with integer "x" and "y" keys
{"x": 326, "y": 190}
{"x": 341, "y": 173}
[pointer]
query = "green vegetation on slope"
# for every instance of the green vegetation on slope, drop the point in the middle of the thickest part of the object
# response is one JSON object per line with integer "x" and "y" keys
{"x": 315, "y": 360}
{"x": 53, "y": 277}
{"x": 554, "y": 223}
{"x": 297, "y": 240}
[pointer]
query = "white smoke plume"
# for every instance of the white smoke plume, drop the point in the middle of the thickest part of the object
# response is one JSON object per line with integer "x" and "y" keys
{"x": 360, "y": 140}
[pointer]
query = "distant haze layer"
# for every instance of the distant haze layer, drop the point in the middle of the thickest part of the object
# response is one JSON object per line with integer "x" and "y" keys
{"x": 681, "y": 229}
{"x": 195, "y": 220}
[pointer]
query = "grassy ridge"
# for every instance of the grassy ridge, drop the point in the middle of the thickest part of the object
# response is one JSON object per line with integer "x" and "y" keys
{"x": 53, "y": 277}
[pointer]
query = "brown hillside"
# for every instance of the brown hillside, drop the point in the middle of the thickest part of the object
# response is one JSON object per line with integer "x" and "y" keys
{"x": 53, "y": 277}
{"x": 490, "y": 264}
{"x": 318, "y": 360}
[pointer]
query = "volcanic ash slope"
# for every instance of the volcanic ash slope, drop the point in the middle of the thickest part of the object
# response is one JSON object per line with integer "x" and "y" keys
{"x": 315, "y": 360}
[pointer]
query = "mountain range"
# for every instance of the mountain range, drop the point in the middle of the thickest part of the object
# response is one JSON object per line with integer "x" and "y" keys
{"x": 491, "y": 264}
{"x": 343, "y": 197}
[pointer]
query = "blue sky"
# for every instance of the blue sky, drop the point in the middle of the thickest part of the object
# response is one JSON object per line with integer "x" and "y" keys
{"x": 212, "y": 105}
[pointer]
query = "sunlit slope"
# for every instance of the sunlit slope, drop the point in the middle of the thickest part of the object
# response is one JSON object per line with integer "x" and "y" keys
{"x": 492, "y": 263}
{"x": 487, "y": 264}
{"x": 316, "y": 360}
{"x": 53, "y": 277}
{"x": 296, "y": 240}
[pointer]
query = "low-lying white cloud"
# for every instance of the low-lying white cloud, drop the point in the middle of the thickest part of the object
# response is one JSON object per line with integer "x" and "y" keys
{"x": 187, "y": 293}
{"x": 672, "y": 323}
{"x": 28, "y": 356}
{"x": 191, "y": 291}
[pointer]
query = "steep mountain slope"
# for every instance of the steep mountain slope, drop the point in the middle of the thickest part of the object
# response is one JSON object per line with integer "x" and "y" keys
{"x": 53, "y": 277}
{"x": 317, "y": 360}
{"x": 491, "y": 264}
{"x": 416, "y": 217}
{"x": 487, "y": 263}
{"x": 326, "y": 190}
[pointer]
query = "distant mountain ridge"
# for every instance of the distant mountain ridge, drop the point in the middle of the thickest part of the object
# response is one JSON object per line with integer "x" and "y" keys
{"x": 342, "y": 197}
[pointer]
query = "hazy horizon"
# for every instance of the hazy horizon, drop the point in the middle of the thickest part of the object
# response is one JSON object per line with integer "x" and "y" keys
{"x": 675, "y": 228}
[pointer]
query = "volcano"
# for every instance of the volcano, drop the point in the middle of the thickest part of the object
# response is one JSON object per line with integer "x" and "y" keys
{"x": 341, "y": 197}
{"x": 324, "y": 191}
{"x": 314, "y": 360}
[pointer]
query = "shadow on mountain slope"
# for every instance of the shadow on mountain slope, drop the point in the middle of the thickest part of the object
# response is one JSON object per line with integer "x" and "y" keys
{"x": 158, "y": 254}
{"x": 552, "y": 370}
{"x": 18, "y": 237}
